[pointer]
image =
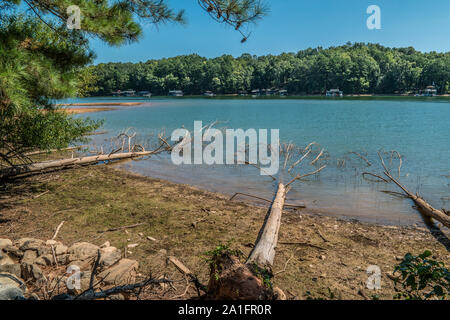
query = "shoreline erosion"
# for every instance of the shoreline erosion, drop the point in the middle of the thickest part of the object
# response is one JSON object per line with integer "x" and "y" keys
{"x": 95, "y": 106}
{"x": 316, "y": 252}
{"x": 86, "y": 110}
{"x": 102, "y": 104}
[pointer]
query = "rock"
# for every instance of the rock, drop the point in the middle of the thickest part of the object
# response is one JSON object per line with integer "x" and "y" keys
{"x": 163, "y": 252}
{"x": 279, "y": 294}
{"x": 11, "y": 293}
{"x": 134, "y": 245}
{"x": 82, "y": 251}
{"x": 151, "y": 238}
{"x": 31, "y": 244}
{"x": 11, "y": 268}
{"x": 10, "y": 280}
{"x": 51, "y": 242}
{"x": 109, "y": 256}
{"x": 58, "y": 247}
{"x": 5, "y": 242}
{"x": 61, "y": 249}
{"x": 83, "y": 265}
{"x": 32, "y": 272}
{"x": 29, "y": 256}
{"x": 123, "y": 272}
{"x": 62, "y": 259}
{"x": 20, "y": 242}
{"x": 322, "y": 257}
{"x": 5, "y": 259}
{"x": 44, "y": 260}
{"x": 13, "y": 251}
{"x": 106, "y": 245}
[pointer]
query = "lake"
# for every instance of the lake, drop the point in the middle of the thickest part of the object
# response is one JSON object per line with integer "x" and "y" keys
{"x": 417, "y": 129}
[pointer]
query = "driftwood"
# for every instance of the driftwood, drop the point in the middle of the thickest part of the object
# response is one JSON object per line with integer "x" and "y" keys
{"x": 188, "y": 274}
{"x": 264, "y": 251}
{"x": 134, "y": 151}
{"x": 425, "y": 207}
{"x": 57, "y": 230}
{"x": 42, "y": 166}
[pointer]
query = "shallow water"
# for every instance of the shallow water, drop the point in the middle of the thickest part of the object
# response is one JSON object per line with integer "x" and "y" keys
{"x": 419, "y": 130}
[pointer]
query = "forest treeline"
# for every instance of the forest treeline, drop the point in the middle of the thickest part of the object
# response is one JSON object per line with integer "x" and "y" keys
{"x": 354, "y": 68}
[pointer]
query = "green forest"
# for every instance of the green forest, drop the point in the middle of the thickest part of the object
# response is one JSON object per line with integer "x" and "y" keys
{"x": 354, "y": 68}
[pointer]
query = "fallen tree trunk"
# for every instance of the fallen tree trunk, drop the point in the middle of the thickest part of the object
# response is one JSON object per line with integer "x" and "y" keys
{"x": 230, "y": 279}
{"x": 40, "y": 166}
{"x": 425, "y": 207}
{"x": 264, "y": 251}
{"x": 438, "y": 215}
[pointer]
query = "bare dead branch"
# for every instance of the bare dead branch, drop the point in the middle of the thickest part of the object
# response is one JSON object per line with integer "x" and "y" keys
{"x": 264, "y": 199}
{"x": 299, "y": 160}
{"x": 57, "y": 230}
{"x": 376, "y": 176}
{"x": 299, "y": 177}
{"x": 362, "y": 157}
{"x": 318, "y": 157}
{"x": 425, "y": 207}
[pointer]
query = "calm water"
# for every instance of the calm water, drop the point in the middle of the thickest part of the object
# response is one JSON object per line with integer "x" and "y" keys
{"x": 419, "y": 130}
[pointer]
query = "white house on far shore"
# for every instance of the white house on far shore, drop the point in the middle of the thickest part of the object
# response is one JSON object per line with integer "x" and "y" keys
{"x": 175, "y": 93}
{"x": 334, "y": 93}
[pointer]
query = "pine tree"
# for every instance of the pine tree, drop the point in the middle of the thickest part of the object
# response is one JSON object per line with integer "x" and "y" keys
{"x": 41, "y": 60}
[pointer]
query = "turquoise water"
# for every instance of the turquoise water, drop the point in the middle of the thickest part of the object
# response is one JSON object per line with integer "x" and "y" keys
{"x": 419, "y": 130}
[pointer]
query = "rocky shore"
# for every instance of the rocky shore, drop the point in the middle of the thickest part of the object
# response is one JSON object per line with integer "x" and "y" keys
{"x": 37, "y": 269}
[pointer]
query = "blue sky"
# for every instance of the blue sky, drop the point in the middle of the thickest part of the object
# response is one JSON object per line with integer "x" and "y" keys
{"x": 292, "y": 25}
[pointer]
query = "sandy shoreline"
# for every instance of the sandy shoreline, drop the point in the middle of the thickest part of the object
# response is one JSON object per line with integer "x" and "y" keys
{"x": 103, "y": 104}
{"x": 86, "y": 110}
{"x": 98, "y": 106}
